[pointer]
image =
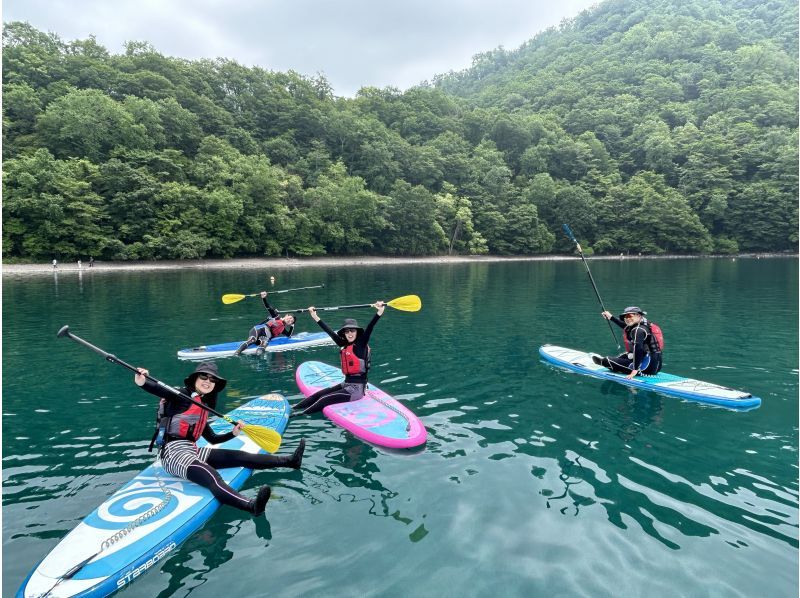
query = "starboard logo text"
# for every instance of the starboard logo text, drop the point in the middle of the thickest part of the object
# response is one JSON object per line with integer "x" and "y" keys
{"x": 134, "y": 573}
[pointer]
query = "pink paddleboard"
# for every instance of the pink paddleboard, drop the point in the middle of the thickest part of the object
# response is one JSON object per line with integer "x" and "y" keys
{"x": 377, "y": 418}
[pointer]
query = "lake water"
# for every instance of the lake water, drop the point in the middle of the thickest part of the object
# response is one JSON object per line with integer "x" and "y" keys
{"x": 533, "y": 481}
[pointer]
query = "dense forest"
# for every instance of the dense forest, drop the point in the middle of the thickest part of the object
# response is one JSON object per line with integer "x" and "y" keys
{"x": 651, "y": 126}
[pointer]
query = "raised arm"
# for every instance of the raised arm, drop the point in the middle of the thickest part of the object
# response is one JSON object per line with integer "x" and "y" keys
{"x": 379, "y": 306}
{"x": 312, "y": 311}
{"x": 272, "y": 311}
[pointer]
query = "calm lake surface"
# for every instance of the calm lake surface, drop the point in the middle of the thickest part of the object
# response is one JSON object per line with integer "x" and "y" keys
{"x": 533, "y": 481}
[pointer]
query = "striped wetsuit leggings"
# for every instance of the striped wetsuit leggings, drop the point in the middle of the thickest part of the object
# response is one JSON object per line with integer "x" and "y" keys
{"x": 184, "y": 459}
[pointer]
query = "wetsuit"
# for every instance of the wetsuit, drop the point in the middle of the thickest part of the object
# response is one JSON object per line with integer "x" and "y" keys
{"x": 642, "y": 348}
{"x": 181, "y": 457}
{"x": 354, "y": 385}
{"x": 262, "y": 332}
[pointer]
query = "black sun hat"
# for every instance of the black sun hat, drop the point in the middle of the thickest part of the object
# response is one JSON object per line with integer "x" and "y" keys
{"x": 207, "y": 367}
{"x": 349, "y": 324}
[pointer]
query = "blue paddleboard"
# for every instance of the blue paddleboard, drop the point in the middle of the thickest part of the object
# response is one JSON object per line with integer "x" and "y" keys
{"x": 145, "y": 520}
{"x": 667, "y": 384}
{"x": 301, "y": 340}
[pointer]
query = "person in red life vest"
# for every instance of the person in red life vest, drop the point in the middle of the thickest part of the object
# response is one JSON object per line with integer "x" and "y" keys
{"x": 354, "y": 353}
{"x": 181, "y": 423}
{"x": 642, "y": 346}
{"x": 273, "y": 326}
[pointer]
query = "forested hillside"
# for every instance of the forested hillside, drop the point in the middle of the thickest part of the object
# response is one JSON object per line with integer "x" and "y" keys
{"x": 649, "y": 126}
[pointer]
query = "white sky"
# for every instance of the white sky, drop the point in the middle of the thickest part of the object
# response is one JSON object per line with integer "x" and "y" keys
{"x": 354, "y": 43}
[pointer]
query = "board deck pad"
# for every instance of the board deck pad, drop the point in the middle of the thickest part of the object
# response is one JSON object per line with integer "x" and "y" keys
{"x": 664, "y": 383}
{"x": 131, "y": 554}
{"x": 377, "y": 418}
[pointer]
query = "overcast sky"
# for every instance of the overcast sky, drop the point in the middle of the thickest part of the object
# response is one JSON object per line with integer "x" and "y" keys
{"x": 354, "y": 43}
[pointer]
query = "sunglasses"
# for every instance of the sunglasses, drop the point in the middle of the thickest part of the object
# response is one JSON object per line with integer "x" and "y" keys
{"x": 629, "y": 315}
{"x": 211, "y": 379}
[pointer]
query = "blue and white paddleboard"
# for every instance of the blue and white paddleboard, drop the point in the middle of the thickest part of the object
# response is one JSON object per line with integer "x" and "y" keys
{"x": 158, "y": 511}
{"x": 301, "y": 340}
{"x": 668, "y": 384}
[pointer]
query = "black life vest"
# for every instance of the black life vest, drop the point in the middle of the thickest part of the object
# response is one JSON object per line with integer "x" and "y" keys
{"x": 352, "y": 364}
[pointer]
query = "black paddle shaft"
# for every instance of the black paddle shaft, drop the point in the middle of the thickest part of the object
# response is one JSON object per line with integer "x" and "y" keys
{"x": 114, "y": 359}
{"x": 335, "y": 308}
{"x": 568, "y": 230}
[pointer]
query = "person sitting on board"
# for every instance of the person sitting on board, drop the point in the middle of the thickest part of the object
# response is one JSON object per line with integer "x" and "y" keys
{"x": 355, "y": 358}
{"x": 182, "y": 423}
{"x": 643, "y": 353}
{"x": 267, "y": 329}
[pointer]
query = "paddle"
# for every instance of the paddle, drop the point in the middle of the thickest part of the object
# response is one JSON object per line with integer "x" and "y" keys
{"x": 568, "y": 231}
{"x": 234, "y": 298}
{"x": 404, "y": 303}
{"x": 267, "y": 439}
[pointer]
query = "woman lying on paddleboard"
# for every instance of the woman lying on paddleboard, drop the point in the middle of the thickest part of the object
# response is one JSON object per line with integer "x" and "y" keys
{"x": 355, "y": 360}
{"x": 273, "y": 326}
{"x": 183, "y": 423}
{"x": 643, "y": 350}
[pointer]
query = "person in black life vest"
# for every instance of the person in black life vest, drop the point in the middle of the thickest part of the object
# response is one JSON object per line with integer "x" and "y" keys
{"x": 354, "y": 352}
{"x": 643, "y": 353}
{"x": 273, "y": 326}
{"x": 182, "y": 423}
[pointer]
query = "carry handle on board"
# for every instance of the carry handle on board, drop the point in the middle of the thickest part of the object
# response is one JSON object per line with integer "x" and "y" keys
{"x": 266, "y": 438}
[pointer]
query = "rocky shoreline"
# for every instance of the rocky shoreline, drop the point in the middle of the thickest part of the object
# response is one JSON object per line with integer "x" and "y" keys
{"x": 317, "y": 262}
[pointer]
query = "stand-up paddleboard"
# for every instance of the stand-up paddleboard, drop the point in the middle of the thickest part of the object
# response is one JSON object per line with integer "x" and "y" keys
{"x": 144, "y": 521}
{"x": 301, "y": 340}
{"x": 377, "y": 418}
{"x": 668, "y": 384}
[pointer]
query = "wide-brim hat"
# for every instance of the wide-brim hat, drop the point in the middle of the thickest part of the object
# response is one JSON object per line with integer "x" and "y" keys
{"x": 349, "y": 324}
{"x": 632, "y": 310}
{"x": 207, "y": 367}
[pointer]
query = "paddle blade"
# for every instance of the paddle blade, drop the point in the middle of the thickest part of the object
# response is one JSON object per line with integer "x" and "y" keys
{"x": 232, "y": 298}
{"x": 267, "y": 439}
{"x": 406, "y": 303}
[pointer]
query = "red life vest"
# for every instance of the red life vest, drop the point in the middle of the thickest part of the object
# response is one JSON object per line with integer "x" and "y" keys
{"x": 656, "y": 337}
{"x": 186, "y": 425}
{"x": 276, "y": 326}
{"x": 656, "y": 330}
{"x": 352, "y": 365}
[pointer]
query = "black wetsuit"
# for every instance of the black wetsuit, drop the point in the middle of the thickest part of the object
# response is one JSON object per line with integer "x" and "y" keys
{"x": 182, "y": 457}
{"x": 353, "y": 386}
{"x": 643, "y": 345}
{"x": 644, "y": 349}
{"x": 260, "y": 333}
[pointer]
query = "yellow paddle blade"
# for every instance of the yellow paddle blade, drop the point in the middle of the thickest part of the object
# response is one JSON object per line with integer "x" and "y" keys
{"x": 267, "y": 439}
{"x": 406, "y": 303}
{"x": 232, "y": 298}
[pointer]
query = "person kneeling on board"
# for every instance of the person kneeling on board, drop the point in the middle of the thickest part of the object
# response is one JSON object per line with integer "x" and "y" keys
{"x": 355, "y": 358}
{"x": 183, "y": 423}
{"x": 643, "y": 348}
{"x": 267, "y": 329}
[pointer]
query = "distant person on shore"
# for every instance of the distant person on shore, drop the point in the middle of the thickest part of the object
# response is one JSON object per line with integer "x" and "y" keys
{"x": 80, "y": 265}
{"x": 55, "y": 264}
{"x": 91, "y": 262}
{"x": 265, "y": 330}
{"x": 184, "y": 423}
{"x": 355, "y": 356}
{"x": 642, "y": 345}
